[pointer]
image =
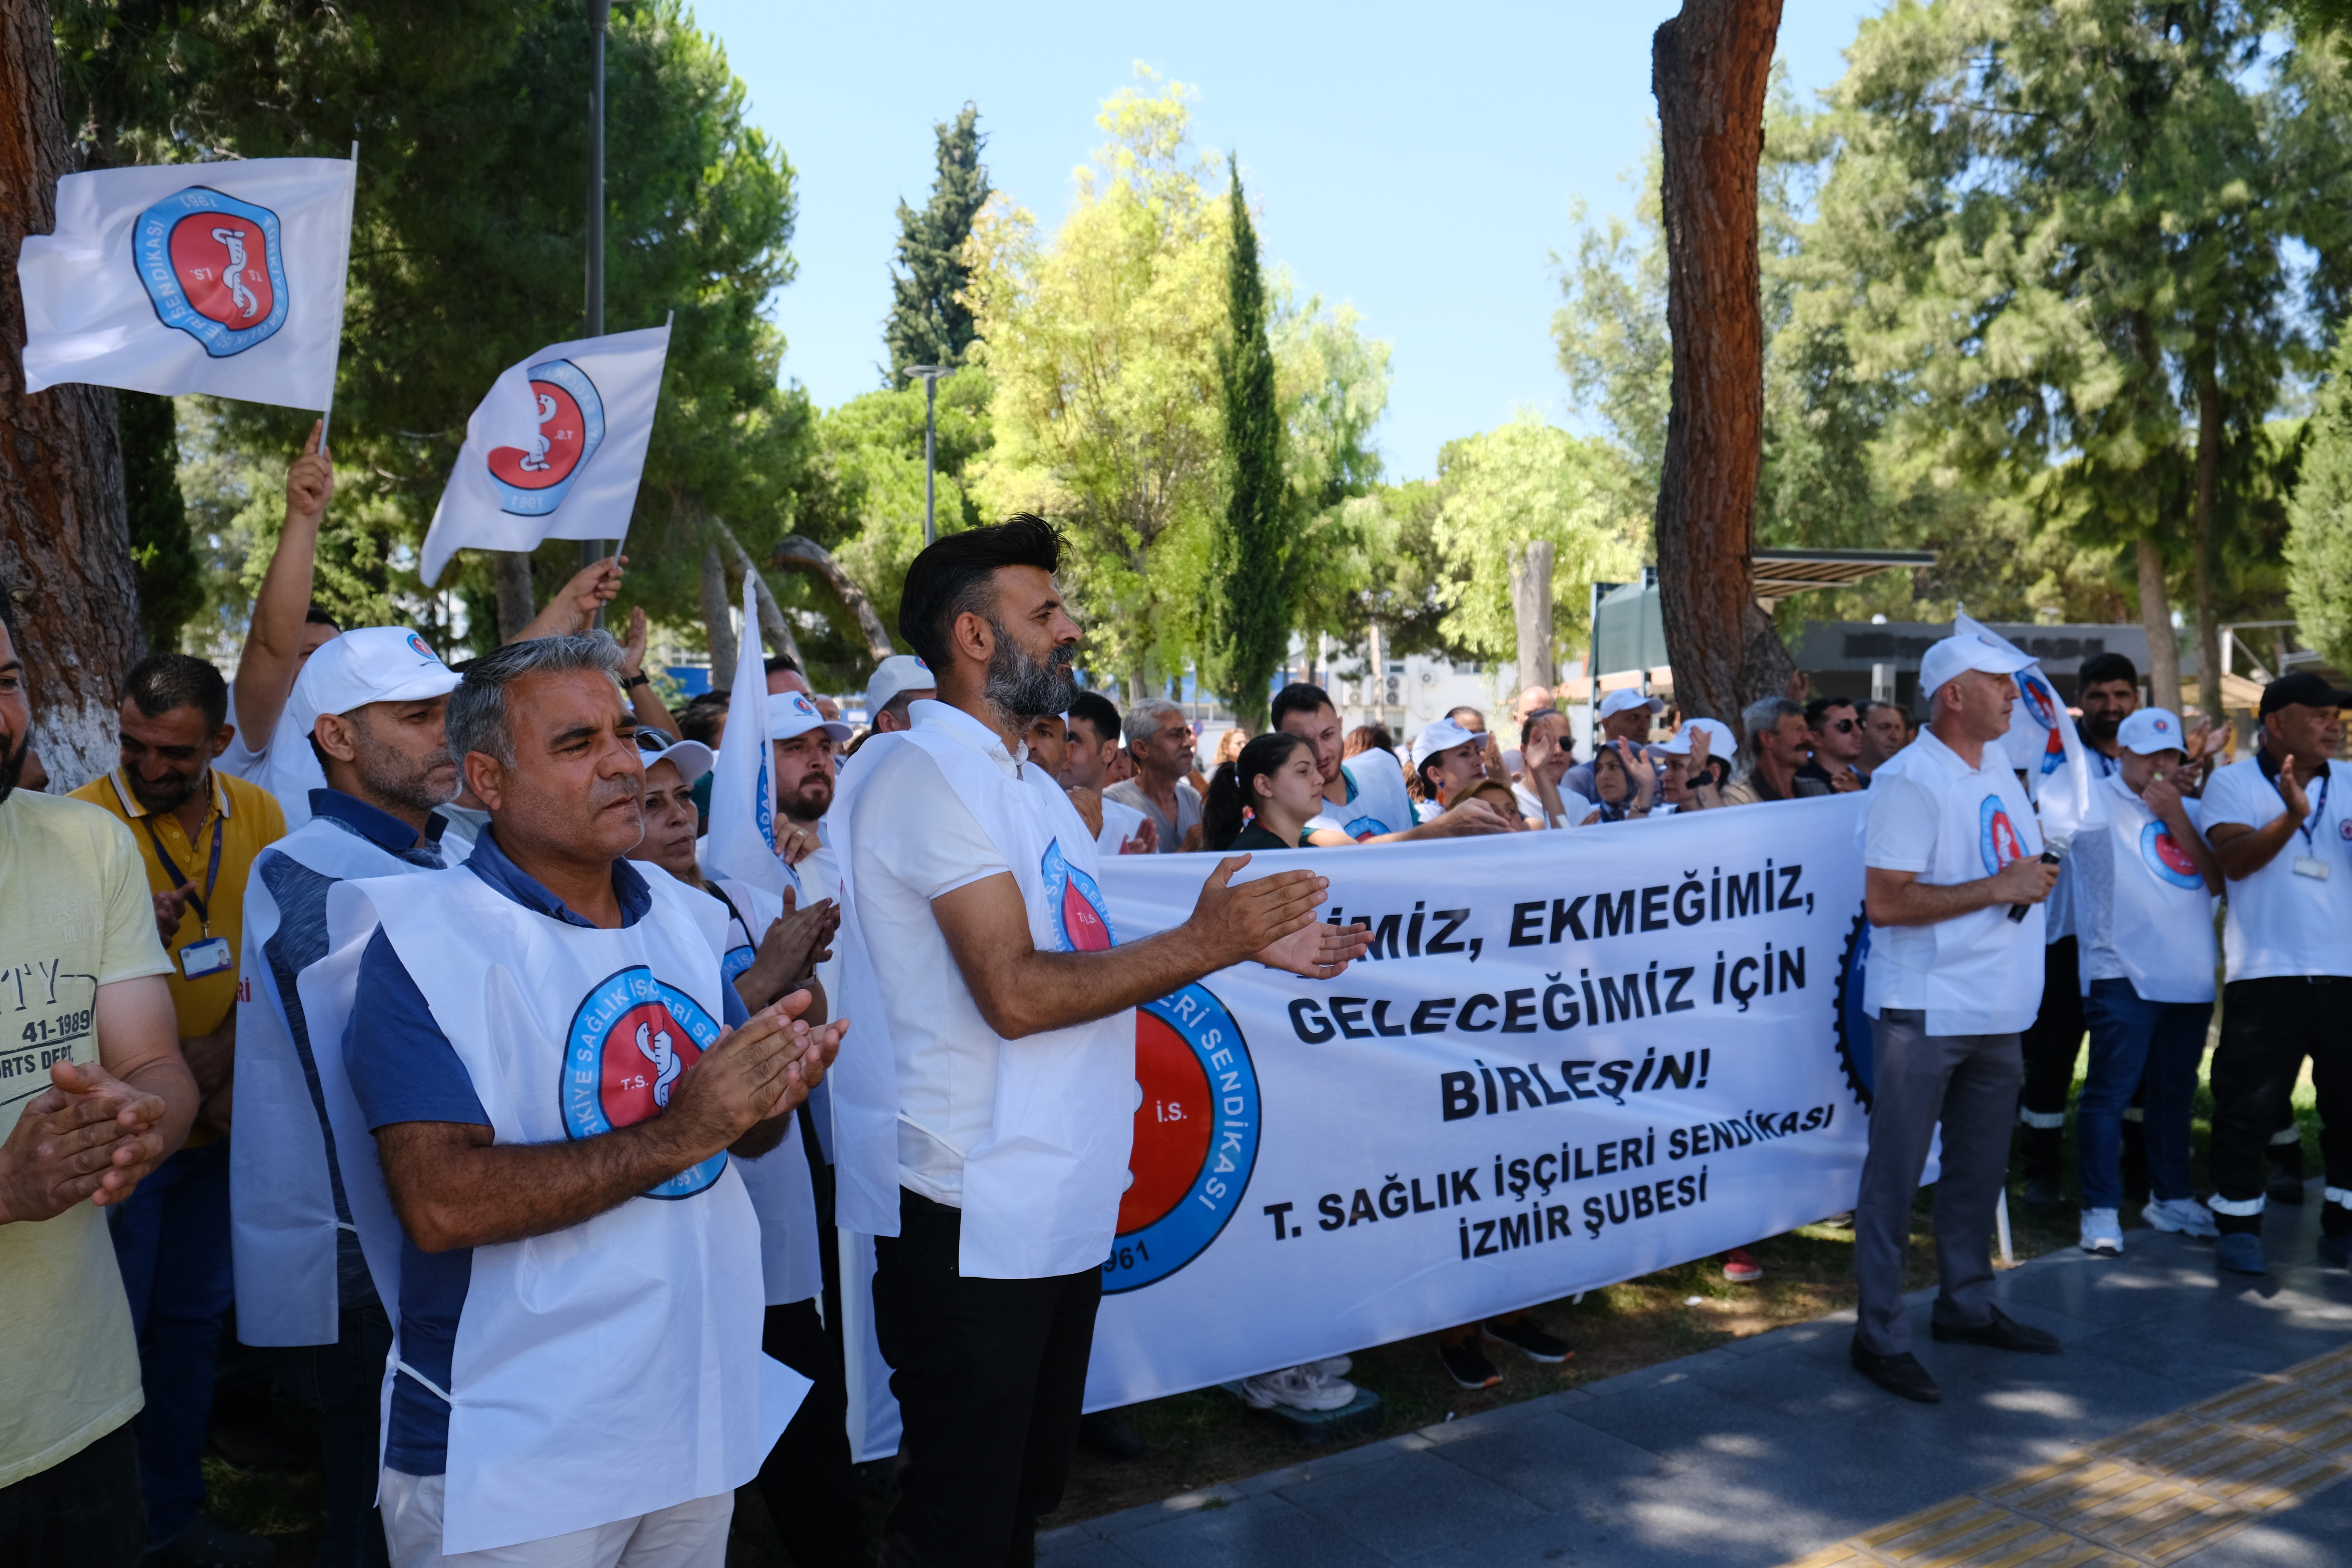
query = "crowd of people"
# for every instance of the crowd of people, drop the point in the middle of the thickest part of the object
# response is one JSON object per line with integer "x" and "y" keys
{"x": 360, "y": 1002}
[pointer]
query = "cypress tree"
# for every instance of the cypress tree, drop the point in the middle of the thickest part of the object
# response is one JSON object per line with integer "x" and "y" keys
{"x": 2319, "y": 519}
{"x": 929, "y": 322}
{"x": 1249, "y": 553}
{"x": 163, "y": 555}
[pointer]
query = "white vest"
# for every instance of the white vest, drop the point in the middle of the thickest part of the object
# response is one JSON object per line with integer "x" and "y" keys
{"x": 1041, "y": 1191}
{"x": 613, "y": 1368}
{"x": 282, "y": 1222}
{"x": 1986, "y": 974}
{"x": 2160, "y": 924}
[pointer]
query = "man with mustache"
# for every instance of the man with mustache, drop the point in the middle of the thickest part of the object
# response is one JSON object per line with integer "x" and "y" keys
{"x": 991, "y": 1092}
{"x": 579, "y": 1294}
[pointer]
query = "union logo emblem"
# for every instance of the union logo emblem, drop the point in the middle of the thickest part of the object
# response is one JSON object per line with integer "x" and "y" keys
{"x": 1081, "y": 923}
{"x": 631, "y": 1040}
{"x": 2164, "y": 857}
{"x": 1997, "y": 838}
{"x": 534, "y": 483}
{"x": 1197, "y": 1126}
{"x": 212, "y": 268}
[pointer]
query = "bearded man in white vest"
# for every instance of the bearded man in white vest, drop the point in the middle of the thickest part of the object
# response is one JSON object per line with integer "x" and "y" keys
{"x": 556, "y": 1077}
{"x": 1954, "y": 886}
{"x": 983, "y": 1137}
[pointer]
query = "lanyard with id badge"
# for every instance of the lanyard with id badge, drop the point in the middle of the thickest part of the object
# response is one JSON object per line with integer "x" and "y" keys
{"x": 2308, "y": 863}
{"x": 209, "y": 954}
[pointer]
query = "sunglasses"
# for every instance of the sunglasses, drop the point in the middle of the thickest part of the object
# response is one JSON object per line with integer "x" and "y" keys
{"x": 1844, "y": 726}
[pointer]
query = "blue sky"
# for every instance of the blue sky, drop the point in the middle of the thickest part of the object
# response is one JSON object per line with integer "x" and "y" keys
{"x": 1418, "y": 162}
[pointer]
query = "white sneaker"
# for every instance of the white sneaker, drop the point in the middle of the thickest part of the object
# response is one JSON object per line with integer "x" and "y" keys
{"x": 1300, "y": 1387}
{"x": 1333, "y": 1367}
{"x": 2102, "y": 1232}
{"x": 2183, "y": 1216}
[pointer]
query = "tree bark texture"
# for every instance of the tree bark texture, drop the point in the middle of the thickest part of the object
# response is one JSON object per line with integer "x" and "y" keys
{"x": 777, "y": 630}
{"x": 65, "y": 540}
{"x": 2155, "y": 616}
{"x": 795, "y": 549}
{"x": 2211, "y": 415}
{"x": 1531, "y": 570}
{"x": 1709, "y": 68}
{"x": 518, "y": 596}
{"x": 718, "y": 624}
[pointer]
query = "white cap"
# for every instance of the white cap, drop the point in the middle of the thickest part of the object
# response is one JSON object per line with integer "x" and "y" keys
{"x": 692, "y": 758}
{"x": 2151, "y": 730}
{"x": 1969, "y": 651}
{"x": 371, "y": 664}
{"x": 899, "y": 673}
{"x": 1720, "y": 741}
{"x": 1442, "y": 735}
{"x": 791, "y": 713}
{"x": 1627, "y": 698}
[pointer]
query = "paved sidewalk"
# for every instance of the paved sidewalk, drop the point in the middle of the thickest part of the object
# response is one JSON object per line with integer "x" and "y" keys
{"x": 1771, "y": 1449}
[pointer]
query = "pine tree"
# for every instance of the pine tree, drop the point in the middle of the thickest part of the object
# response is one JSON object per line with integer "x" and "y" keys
{"x": 929, "y": 321}
{"x": 162, "y": 554}
{"x": 2319, "y": 541}
{"x": 1249, "y": 580}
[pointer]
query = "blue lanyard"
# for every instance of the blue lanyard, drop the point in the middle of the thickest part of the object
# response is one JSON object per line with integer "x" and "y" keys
{"x": 2318, "y": 808}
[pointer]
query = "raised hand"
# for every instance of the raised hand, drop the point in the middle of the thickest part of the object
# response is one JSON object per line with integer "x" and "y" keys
{"x": 170, "y": 909}
{"x": 592, "y": 588}
{"x": 737, "y": 1083}
{"x": 2162, "y": 796}
{"x": 1321, "y": 952}
{"x": 1700, "y": 739}
{"x": 633, "y": 646}
{"x": 1639, "y": 768}
{"x": 309, "y": 481}
{"x": 1233, "y": 922}
{"x": 2290, "y": 788}
{"x": 1144, "y": 841}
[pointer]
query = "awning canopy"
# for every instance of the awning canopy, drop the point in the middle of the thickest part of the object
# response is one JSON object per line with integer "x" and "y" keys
{"x": 1780, "y": 573}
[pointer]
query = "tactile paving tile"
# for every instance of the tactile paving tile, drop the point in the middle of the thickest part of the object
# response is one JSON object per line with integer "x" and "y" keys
{"x": 2155, "y": 1494}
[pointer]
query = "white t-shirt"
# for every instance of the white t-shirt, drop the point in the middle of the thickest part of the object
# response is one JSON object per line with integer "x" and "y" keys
{"x": 1573, "y": 807}
{"x": 1377, "y": 803}
{"x": 912, "y": 840}
{"x": 2141, "y": 908}
{"x": 1130, "y": 794}
{"x": 1977, "y": 973}
{"x": 1120, "y": 822}
{"x": 285, "y": 765}
{"x": 2280, "y": 922}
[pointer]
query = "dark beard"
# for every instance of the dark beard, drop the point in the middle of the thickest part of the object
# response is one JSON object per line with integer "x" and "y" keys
{"x": 798, "y": 806}
{"x": 394, "y": 777}
{"x": 12, "y": 767}
{"x": 2102, "y": 729}
{"x": 1026, "y": 688}
{"x": 178, "y": 797}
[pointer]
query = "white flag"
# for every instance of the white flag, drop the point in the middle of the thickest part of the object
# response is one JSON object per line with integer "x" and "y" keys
{"x": 740, "y": 841}
{"x": 225, "y": 278}
{"x": 2043, "y": 742}
{"x": 554, "y": 451}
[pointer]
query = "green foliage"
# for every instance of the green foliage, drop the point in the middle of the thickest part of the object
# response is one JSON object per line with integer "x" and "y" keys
{"x": 2319, "y": 547}
{"x": 162, "y": 554}
{"x": 1247, "y": 624}
{"x": 930, "y": 321}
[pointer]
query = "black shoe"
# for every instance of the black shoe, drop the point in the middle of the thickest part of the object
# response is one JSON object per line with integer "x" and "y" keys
{"x": 2285, "y": 1189}
{"x": 1899, "y": 1375}
{"x": 244, "y": 1446}
{"x": 205, "y": 1544}
{"x": 2043, "y": 1194}
{"x": 1105, "y": 1435}
{"x": 2004, "y": 1332}
{"x": 1522, "y": 1335}
{"x": 1467, "y": 1364}
{"x": 2337, "y": 1249}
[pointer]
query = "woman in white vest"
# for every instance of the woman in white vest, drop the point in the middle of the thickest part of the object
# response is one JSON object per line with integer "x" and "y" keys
{"x": 2144, "y": 885}
{"x": 983, "y": 1123}
{"x": 535, "y": 1041}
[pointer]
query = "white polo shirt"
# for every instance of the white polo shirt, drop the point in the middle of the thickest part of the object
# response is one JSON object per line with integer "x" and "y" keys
{"x": 2279, "y": 922}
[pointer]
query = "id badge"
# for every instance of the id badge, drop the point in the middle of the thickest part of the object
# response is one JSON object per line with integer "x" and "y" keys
{"x": 2311, "y": 866}
{"x": 211, "y": 955}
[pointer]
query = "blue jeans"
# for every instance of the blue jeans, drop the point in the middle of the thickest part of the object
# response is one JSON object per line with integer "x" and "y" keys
{"x": 2131, "y": 1036}
{"x": 171, "y": 1240}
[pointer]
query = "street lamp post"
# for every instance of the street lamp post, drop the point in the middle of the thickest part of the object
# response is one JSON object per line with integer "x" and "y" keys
{"x": 929, "y": 375}
{"x": 599, "y": 14}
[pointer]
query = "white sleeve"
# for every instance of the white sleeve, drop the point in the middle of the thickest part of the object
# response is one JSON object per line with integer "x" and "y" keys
{"x": 1902, "y": 832}
{"x": 910, "y": 826}
{"x": 2226, "y": 799}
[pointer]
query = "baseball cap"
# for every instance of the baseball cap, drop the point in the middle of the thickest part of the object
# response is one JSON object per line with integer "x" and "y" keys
{"x": 899, "y": 673}
{"x": 2151, "y": 730}
{"x": 370, "y": 664}
{"x": 1968, "y": 650}
{"x": 693, "y": 758}
{"x": 1628, "y": 698}
{"x": 1720, "y": 741}
{"x": 791, "y": 713}
{"x": 1442, "y": 735}
{"x": 2303, "y": 688}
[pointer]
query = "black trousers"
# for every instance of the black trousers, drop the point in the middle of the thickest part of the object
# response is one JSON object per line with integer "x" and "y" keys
{"x": 343, "y": 1383}
{"x": 82, "y": 1512}
{"x": 989, "y": 1375}
{"x": 2267, "y": 1028}
{"x": 2049, "y": 1048}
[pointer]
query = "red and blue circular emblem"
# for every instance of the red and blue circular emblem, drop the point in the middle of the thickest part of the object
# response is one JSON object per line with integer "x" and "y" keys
{"x": 631, "y": 1040}
{"x": 571, "y": 428}
{"x": 1197, "y": 1125}
{"x": 1997, "y": 838}
{"x": 212, "y": 268}
{"x": 2166, "y": 859}
{"x": 2041, "y": 706}
{"x": 1081, "y": 923}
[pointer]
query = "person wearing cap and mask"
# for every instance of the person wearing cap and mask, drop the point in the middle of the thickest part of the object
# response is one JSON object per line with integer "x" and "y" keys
{"x": 2144, "y": 885}
{"x": 379, "y": 695}
{"x": 1952, "y": 848}
{"x": 1623, "y": 716}
{"x": 2281, "y": 825}
{"x": 1446, "y": 760}
{"x": 1686, "y": 773}
{"x": 898, "y": 680}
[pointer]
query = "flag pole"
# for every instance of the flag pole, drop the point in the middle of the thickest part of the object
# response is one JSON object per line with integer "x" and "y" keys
{"x": 599, "y": 15}
{"x": 342, "y": 295}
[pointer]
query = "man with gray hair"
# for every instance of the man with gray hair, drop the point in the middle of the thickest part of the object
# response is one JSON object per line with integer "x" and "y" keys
{"x": 1159, "y": 739}
{"x": 556, "y": 1074}
{"x": 1779, "y": 745}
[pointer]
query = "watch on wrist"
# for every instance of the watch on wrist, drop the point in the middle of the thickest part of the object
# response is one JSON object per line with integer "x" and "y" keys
{"x": 630, "y": 683}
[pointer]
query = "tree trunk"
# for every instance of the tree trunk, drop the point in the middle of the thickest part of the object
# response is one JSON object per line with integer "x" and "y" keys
{"x": 517, "y": 597}
{"x": 1531, "y": 608}
{"x": 777, "y": 630}
{"x": 795, "y": 550}
{"x": 65, "y": 540}
{"x": 2155, "y": 615}
{"x": 1709, "y": 68}
{"x": 718, "y": 625}
{"x": 2209, "y": 421}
